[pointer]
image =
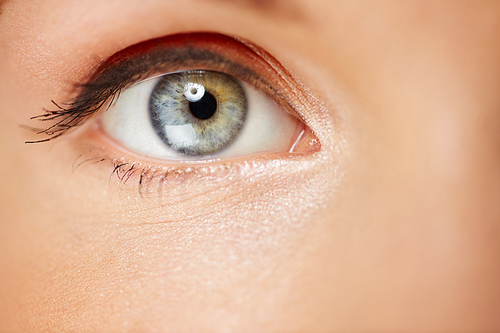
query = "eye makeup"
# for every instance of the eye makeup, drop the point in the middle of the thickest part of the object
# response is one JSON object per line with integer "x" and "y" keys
{"x": 200, "y": 51}
{"x": 175, "y": 53}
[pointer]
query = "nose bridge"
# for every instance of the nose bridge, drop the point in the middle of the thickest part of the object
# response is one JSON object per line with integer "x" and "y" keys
{"x": 453, "y": 127}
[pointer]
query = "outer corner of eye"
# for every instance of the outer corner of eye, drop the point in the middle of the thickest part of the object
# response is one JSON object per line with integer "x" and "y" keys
{"x": 202, "y": 115}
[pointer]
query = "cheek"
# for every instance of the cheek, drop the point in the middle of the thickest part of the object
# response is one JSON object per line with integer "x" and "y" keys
{"x": 188, "y": 256}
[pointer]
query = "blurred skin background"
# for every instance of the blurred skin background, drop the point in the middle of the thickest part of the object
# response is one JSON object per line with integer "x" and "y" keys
{"x": 393, "y": 226}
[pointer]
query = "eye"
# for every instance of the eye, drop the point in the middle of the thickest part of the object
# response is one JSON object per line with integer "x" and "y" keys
{"x": 199, "y": 115}
{"x": 193, "y": 96}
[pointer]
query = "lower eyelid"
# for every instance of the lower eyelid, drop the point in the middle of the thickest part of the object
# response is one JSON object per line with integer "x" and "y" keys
{"x": 150, "y": 178}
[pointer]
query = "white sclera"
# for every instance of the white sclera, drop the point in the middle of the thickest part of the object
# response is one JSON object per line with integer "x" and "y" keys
{"x": 267, "y": 127}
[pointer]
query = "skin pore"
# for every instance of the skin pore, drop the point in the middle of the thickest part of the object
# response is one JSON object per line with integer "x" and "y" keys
{"x": 392, "y": 226}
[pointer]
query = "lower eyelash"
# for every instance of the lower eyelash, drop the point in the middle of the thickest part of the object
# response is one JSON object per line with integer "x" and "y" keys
{"x": 122, "y": 170}
{"x": 154, "y": 179}
{"x": 145, "y": 175}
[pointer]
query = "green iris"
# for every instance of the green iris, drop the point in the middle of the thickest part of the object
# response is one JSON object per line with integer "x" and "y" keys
{"x": 198, "y": 112}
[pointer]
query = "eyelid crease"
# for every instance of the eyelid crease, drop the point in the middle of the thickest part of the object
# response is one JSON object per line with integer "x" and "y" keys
{"x": 200, "y": 50}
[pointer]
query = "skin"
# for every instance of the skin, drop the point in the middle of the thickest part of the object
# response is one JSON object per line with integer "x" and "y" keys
{"x": 393, "y": 226}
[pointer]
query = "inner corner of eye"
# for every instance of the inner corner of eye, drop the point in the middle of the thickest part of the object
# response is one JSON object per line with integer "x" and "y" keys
{"x": 193, "y": 115}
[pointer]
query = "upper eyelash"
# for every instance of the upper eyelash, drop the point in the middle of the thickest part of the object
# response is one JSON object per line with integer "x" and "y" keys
{"x": 76, "y": 112}
{"x": 134, "y": 64}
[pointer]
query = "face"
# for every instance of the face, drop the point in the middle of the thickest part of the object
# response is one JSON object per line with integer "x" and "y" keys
{"x": 364, "y": 197}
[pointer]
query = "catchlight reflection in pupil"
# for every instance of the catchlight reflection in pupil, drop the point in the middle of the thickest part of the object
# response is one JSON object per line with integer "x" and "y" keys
{"x": 198, "y": 112}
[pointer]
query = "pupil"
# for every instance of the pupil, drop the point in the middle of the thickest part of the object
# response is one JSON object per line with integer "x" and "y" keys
{"x": 205, "y": 107}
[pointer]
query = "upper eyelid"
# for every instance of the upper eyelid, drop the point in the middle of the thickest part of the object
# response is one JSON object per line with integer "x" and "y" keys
{"x": 162, "y": 62}
{"x": 187, "y": 51}
{"x": 200, "y": 50}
